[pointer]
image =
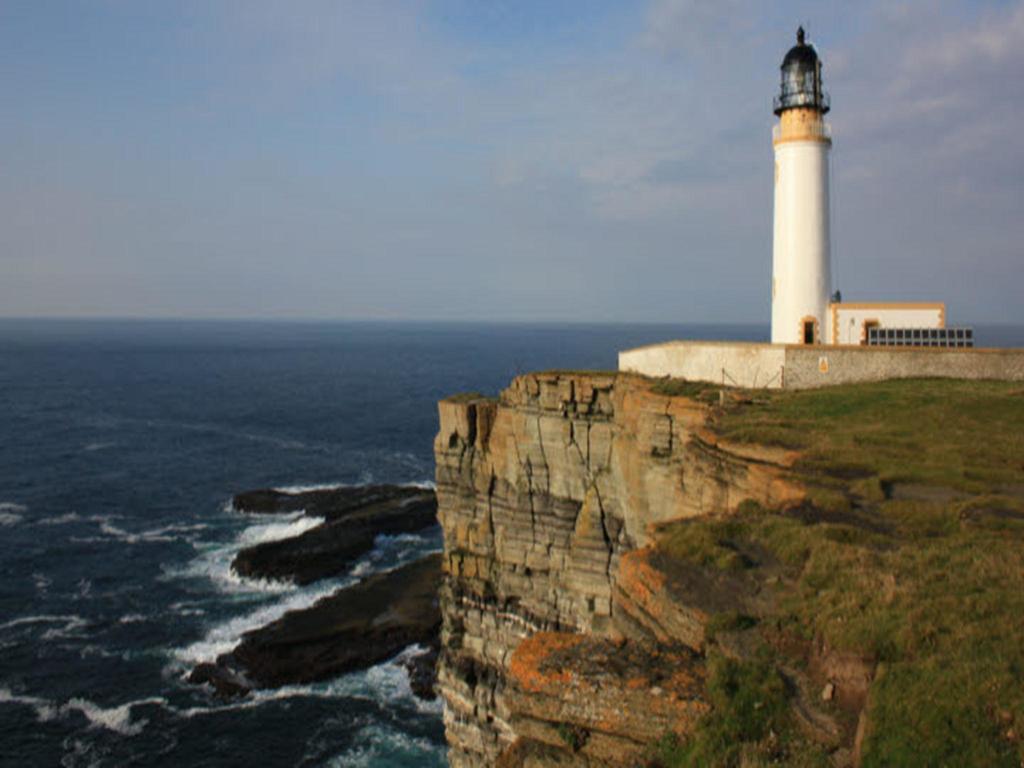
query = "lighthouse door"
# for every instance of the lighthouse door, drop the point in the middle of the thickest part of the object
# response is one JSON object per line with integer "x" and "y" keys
{"x": 808, "y": 331}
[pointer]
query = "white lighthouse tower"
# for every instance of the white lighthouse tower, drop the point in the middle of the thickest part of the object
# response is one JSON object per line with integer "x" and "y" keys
{"x": 801, "y": 275}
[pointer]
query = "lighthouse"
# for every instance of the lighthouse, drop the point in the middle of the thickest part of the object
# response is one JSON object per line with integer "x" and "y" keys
{"x": 801, "y": 275}
{"x": 817, "y": 338}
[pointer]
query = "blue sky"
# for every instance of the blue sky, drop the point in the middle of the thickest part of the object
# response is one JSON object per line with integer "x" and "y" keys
{"x": 494, "y": 160}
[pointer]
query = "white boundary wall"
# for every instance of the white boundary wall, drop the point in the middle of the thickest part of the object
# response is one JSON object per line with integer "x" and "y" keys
{"x": 782, "y": 366}
{"x": 733, "y": 364}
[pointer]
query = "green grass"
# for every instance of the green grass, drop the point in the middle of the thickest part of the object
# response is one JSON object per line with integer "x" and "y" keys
{"x": 749, "y": 723}
{"x": 965, "y": 435}
{"x": 930, "y": 586}
{"x": 575, "y": 372}
{"x": 684, "y": 388}
{"x": 470, "y": 397}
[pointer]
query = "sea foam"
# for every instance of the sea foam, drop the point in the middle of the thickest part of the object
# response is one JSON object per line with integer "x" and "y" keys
{"x": 214, "y": 562}
{"x": 117, "y": 719}
{"x": 67, "y": 625}
{"x": 225, "y": 636}
{"x": 383, "y": 746}
{"x": 11, "y": 513}
{"x": 389, "y": 552}
{"x": 334, "y": 486}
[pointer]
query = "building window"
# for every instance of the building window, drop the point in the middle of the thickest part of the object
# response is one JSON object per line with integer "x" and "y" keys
{"x": 866, "y": 332}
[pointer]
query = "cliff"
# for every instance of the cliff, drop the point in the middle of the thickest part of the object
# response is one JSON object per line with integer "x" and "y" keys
{"x": 627, "y": 574}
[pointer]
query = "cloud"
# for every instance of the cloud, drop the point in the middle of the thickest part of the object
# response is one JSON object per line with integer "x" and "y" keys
{"x": 382, "y": 159}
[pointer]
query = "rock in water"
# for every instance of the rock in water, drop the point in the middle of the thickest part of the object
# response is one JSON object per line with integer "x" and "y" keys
{"x": 354, "y": 517}
{"x": 330, "y": 503}
{"x": 228, "y": 683}
{"x": 422, "y": 671}
{"x": 350, "y": 630}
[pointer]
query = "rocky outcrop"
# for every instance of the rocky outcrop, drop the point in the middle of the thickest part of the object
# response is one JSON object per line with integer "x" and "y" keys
{"x": 352, "y": 629}
{"x": 543, "y": 494}
{"x": 329, "y": 503}
{"x": 353, "y": 518}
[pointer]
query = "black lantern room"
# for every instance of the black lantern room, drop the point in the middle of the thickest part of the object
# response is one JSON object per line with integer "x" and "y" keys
{"x": 801, "y": 79}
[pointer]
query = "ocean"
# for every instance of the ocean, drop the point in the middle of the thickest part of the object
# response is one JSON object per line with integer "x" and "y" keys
{"x": 123, "y": 442}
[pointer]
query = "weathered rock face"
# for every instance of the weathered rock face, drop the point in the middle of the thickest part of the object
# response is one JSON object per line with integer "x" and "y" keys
{"x": 541, "y": 495}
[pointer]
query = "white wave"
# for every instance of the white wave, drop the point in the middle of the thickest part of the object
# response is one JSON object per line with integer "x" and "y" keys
{"x": 72, "y": 628}
{"x": 224, "y": 637}
{"x": 131, "y": 618}
{"x": 98, "y": 446}
{"x": 186, "y": 609}
{"x": 45, "y": 710}
{"x": 66, "y": 619}
{"x": 64, "y": 626}
{"x": 427, "y": 485}
{"x": 11, "y": 513}
{"x": 315, "y": 487}
{"x": 365, "y": 481}
{"x": 214, "y": 563}
{"x": 86, "y": 651}
{"x": 165, "y": 533}
{"x": 133, "y": 538}
{"x": 117, "y": 719}
{"x": 386, "y": 683}
{"x": 68, "y": 517}
{"x": 177, "y": 528}
{"x": 42, "y": 582}
{"x": 291, "y": 526}
{"x": 393, "y": 551}
{"x": 381, "y": 746}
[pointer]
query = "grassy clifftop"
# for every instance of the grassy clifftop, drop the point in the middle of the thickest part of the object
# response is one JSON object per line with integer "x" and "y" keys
{"x": 891, "y": 604}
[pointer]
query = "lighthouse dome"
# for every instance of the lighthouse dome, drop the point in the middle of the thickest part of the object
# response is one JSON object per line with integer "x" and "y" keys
{"x": 800, "y": 55}
{"x": 801, "y": 78}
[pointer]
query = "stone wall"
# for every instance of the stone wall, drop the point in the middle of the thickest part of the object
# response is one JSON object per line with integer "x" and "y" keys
{"x": 775, "y": 366}
{"x": 542, "y": 494}
{"x": 848, "y": 365}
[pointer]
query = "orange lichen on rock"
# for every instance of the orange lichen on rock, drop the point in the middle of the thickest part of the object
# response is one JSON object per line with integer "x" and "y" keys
{"x": 616, "y": 695}
{"x": 525, "y": 667}
{"x": 638, "y": 578}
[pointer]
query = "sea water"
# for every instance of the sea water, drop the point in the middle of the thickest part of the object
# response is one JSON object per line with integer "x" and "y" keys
{"x": 121, "y": 444}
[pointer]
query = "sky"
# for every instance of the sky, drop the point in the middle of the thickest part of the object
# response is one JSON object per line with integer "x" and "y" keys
{"x": 590, "y": 160}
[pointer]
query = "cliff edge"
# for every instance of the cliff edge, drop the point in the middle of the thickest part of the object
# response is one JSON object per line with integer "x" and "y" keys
{"x": 643, "y": 572}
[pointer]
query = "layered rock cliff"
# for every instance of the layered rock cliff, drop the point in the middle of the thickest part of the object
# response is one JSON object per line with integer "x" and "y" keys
{"x": 632, "y": 577}
{"x": 560, "y": 643}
